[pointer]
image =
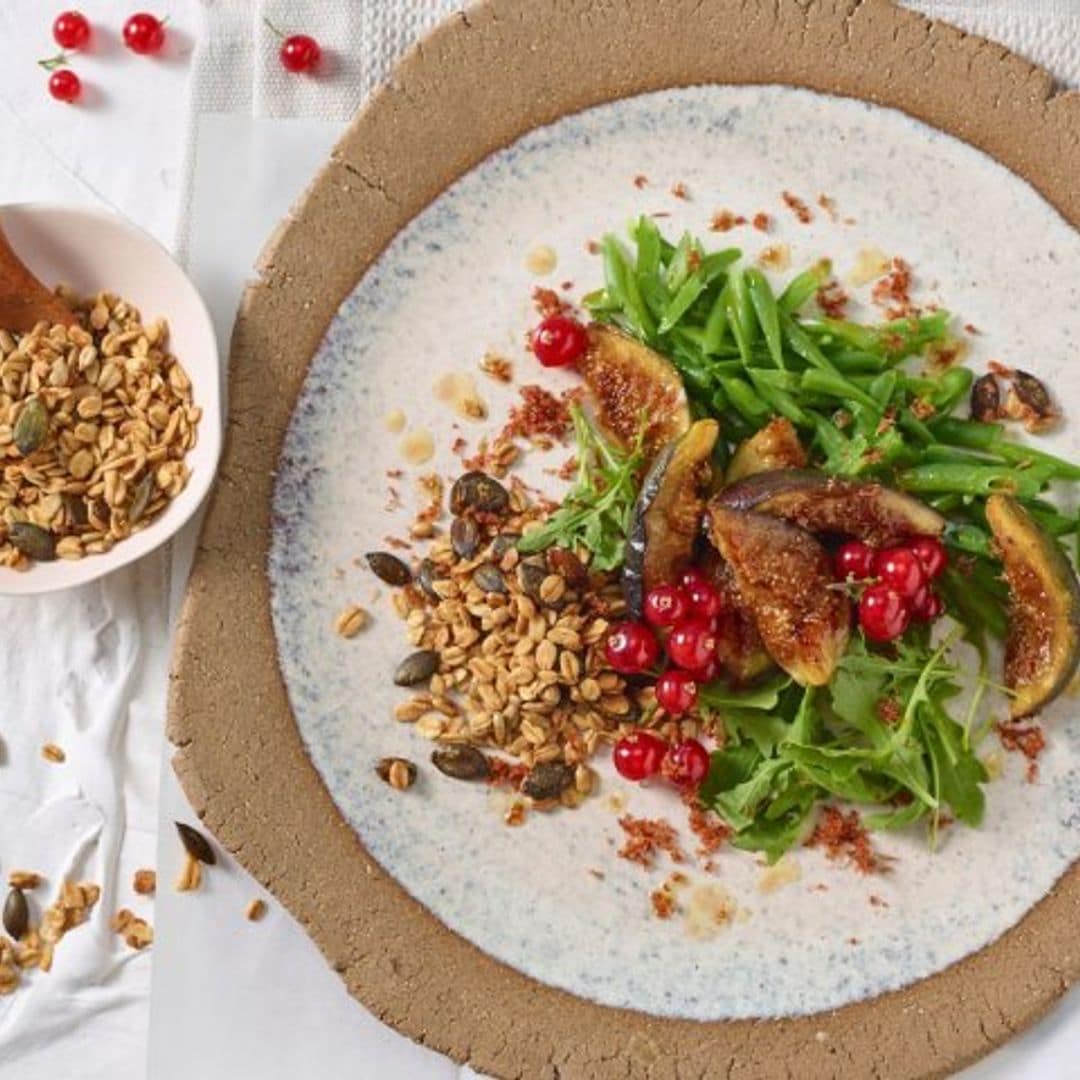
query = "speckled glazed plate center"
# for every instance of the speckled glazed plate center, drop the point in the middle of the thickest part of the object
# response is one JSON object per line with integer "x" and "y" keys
{"x": 453, "y": 286}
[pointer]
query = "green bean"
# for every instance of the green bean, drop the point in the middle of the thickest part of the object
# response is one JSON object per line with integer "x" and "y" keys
{"x": 967, "y": 479}
{"x": 863, "y": 338}
{"x": 969, "y": 538}
{"x": 716, "y": 326}
{"x": 837, "y": 386}
{"x": 744, "y": 400}
{"x": 690, "y": 290}
{"x": 678, "y": 267}
{"x": 622, "y": 286}
{"x": 768, "y": 316}
{"x": 882, "y": 387}
{"x": 781, "y": 401}
{"x": 991, "y": 438}
{"x": 647, "y": 237}
{"x": 953, "y": 386}
{"x": 911, "y": 425}
{"x": 905, "y": 337}
{"x": 803, "y": 286}
{"x": 855, "y": 362}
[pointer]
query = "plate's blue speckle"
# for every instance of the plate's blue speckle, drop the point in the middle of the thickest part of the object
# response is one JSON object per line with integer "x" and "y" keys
{"x": 450, "y": 287}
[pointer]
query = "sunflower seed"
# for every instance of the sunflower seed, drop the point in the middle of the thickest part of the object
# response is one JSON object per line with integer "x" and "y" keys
{"x": 425, "y": 578}
{"x": 502, "y": 544}
{"x": 389, "y": 568}
{"x": 144, "y": 493}
{"x": 1033, "y": 394}
{"x": 196, "y": 845}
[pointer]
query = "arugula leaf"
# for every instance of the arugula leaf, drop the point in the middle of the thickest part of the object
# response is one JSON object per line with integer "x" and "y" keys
{"x": 596, "y": 513}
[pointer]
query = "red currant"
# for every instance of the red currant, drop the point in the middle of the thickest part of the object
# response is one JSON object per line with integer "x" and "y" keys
{"x": 927, "y": 606}
{"x": 71, "y": 30}
{"x": 853, "y": 560}
{"x": 930, "y": 551}
{"x": 631, "y": 648}
{"x": 692, "y": 644}
{"x": 65, "y": 85}
{"x": 687, "y": 763}
{"x": 665, "y": 605}
{"x": 639, "y": 755}
{"x": 705, "y": 599}
{"x": 559, "y": 340}
{"x": 900, "y": 569}
{"x": 144, "y": 34}
{"x": 300, "y": 53}
{"x": 676, "y": 691}
{"x": 883, "y": 614}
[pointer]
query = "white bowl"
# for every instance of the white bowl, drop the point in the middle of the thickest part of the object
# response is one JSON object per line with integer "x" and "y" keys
{"x": 92, "y": 250}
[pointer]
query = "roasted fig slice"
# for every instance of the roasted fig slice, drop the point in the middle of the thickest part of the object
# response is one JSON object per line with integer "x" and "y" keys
{"x": 783, "y": 576}
{"x": 739, "y": 647}
{"x": 1043, "y": 644}
{"x": 775, "y": 446}
{"x": 668, "y": 513}
{"x": 823, "y": 504}
{"x": 630, "y": 385}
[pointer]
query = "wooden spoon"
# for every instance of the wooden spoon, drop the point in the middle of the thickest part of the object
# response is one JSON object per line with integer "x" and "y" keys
{"x": 24, "y": 301}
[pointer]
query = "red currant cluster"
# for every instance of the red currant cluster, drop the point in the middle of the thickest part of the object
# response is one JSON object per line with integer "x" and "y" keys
{"x": 900, "y": 588}
{"x": 686, "y": 613}
{"x": 144, "y": 34}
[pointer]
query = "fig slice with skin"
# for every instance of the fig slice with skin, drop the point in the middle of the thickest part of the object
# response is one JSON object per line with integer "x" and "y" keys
{"x": 775, "y": 446}
{"x": 632, "y": 385}
{"x": 739, "y": 647}
{"x": 784, "y": 578}
{"x": 1043, "y": 644}
{"x": 820, "y": 503}
{"x": 667, "y": 517}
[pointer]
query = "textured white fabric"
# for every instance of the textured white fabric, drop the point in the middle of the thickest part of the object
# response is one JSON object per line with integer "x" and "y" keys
{"x": 88, "y": 669}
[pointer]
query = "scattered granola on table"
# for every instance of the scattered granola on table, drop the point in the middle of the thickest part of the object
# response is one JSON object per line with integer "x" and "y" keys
{"x": 95, "y": 422}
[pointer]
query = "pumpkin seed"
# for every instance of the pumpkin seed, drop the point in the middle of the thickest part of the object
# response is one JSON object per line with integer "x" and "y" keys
{"x": 417, "y": 667}
{"x": 502, "y": 544}
{"x": 32, "y": 427}
{"x": 74, "y": 508}
{"x": 425, "y": 578}
{"x": 16, "y": 914}
{"x": 531, "y": 576}
{"x": 548, "y": 780}
{"x": 464, "y": 537}
{"x": 1033, "y": 394}
{"x": 388, "y": 568}
{"x": 489, "y": 578}
{"x": 986, "y": 399}
{"x": 33, "y": 541}
{"x": 144, "y": 493}
{"x": 462, "y": 762}
{"x": 478, "y": 491}
{"x": 196, "y": 845}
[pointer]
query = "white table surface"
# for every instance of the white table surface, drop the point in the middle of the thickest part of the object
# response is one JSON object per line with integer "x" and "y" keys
{"x": 263, "y": 1001}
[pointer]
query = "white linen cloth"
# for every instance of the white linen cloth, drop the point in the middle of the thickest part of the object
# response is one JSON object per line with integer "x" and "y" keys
{"x": 87, "y": 669}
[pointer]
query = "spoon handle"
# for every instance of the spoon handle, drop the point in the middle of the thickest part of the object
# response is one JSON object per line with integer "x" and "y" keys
{"x": 24, "y": 301}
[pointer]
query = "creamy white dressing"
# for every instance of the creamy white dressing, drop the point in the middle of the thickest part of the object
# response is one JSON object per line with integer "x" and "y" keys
{"x": 453, "y": 286}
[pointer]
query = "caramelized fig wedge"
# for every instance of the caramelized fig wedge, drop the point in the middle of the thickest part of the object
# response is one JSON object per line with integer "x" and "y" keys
{"x": 739, "y": 647}
{"x": 820, "y": 503}
{"x": 775, "y": 446}
{"x": 630, "y": 384}
{"x": 783, "y": 576}
{"x": 1043, "y": 645}
{"x": 667, "y": 516}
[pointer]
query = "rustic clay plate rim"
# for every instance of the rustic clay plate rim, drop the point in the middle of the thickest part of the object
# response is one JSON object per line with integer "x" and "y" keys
{"x": 229, "y": 713}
